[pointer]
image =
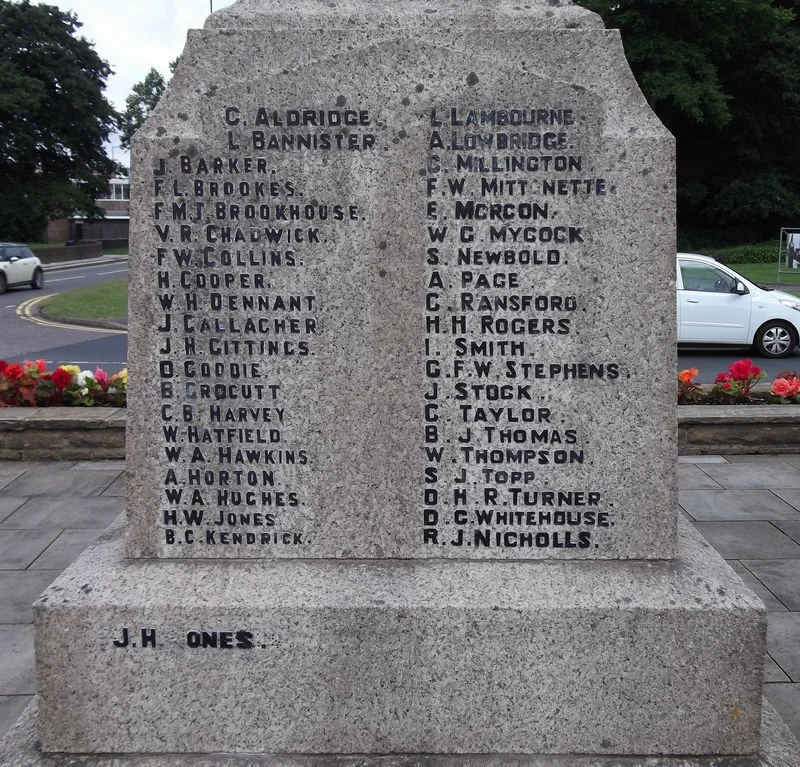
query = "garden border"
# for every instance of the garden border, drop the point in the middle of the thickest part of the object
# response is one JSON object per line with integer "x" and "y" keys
{"x": 73, "y": 433}
{"x": 62, "y": 433}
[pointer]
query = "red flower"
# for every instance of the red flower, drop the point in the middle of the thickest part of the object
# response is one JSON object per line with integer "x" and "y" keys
{"x": 3, "y": 366}
{"x": 722, "y": 378}
{"x": 61, "y": 379}
{"x": 744, "y": 369}
{"x": 13, "y": 372}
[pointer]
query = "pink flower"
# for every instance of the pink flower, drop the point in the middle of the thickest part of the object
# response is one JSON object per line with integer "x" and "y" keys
{"x": 781, "y": 388}
{"x": 102, "y": 377}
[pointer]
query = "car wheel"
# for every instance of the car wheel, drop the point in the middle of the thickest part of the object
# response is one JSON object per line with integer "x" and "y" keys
{"x": 37, "y": 281}
{"x": 3, "y": 283}
{"x": 775, "y": 339}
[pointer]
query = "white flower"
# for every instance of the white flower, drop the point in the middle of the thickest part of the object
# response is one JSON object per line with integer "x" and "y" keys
{"x": 84, "y": 376}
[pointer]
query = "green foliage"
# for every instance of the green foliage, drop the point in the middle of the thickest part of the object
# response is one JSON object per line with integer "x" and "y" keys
{"x": 724, "y": 77}
{"x": 143, "y": 100}
{"x": 54, "y": 119}
{"x": 750, "y": 253}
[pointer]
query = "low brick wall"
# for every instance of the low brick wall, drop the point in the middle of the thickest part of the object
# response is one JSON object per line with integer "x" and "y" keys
{"x": 62, "y": 433}
{"x": 87, "y": 249}
{"x": 70, "y": 434}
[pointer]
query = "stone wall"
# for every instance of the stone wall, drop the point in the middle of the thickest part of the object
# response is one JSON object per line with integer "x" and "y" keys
{"x": 62, "y": 433}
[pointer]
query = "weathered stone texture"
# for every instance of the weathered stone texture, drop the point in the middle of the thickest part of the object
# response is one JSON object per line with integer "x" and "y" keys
{"x": 401, "y": 657}
{"x": 433, "y": 138}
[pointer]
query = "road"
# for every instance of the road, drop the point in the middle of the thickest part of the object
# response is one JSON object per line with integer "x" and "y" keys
{"x": 22, "y": 339}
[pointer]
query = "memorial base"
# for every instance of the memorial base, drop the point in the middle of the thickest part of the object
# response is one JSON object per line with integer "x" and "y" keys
{"x": 400, "y": 657}
{"x": 20, "y": 748}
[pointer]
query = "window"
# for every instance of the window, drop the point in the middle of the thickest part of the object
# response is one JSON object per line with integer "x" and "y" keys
{"x": 706, "y": 279}
{"x": 118, "y": 190}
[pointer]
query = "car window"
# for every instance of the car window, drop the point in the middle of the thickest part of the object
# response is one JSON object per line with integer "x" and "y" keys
{"x": 706, "y": 279}
{"x": 25, "y": 253}
{"x": 12, "y": 253}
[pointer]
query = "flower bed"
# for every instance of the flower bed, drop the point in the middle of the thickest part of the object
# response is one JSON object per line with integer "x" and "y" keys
{"x": 31, "y": 384}
{"x": 735, "y": 387}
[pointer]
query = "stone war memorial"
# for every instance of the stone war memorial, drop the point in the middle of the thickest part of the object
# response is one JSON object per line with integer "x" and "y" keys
{"x": 401, "y": 434}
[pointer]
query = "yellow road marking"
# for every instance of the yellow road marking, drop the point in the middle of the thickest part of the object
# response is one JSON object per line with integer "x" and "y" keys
{"x": 26, "y": 310}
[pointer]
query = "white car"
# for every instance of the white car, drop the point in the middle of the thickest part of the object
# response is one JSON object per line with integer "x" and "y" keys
{"x": 18, "y": 267}
{"x": 717, "y": 306}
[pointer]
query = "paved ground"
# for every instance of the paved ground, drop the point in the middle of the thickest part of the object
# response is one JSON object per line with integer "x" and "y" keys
{"x": 748, "y": 507}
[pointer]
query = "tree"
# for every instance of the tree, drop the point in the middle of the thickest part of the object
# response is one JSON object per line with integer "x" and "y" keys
{"x": 54, "y": 119}
{"x": 142, "y": 101}
{"x": 724, "y": 77}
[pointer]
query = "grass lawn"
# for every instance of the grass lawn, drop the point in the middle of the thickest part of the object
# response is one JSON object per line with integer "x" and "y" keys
{"x": 108, "y": 301}
{"x": 767, "y": 274}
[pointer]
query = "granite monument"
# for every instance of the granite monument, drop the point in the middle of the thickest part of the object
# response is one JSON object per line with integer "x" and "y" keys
{"x": 401, "y": 422}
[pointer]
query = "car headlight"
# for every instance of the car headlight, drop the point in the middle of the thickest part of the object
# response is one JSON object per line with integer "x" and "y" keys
{"x": 791, "y": 304}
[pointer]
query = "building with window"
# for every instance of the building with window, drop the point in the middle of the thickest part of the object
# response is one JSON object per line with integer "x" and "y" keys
{"x": 112, "y": 230}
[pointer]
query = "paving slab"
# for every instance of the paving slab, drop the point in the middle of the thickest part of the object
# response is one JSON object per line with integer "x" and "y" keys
{"x": 19, "y": 548}
{"x": 783, "y": 642}
{"x": 753, "y": 475}
{"x": 99, "y": 466}
{"x": 11, "y": 706}
{"x": 17, "y": 676}
{"x": 691, "y": 477}
{"x": 702, "y": 459}
{"x": 789, "y": 495}
{"x": 117, "y": 489}
{"x": 748, "y": 540}
{"x": 18, "y": 591}
{"x": 65, "y": 549}
{"x": 736, "y": 505}
{"x": 8, "y": 505}
{"x": 792, "y": 529}
{"x": 8, "y": 474}
{"x": 780, "y": 576}
{"x": 771, "y": 602}
{"x": 64, "y": 512}
{"x": 773, "y": 672}
{"x": 786, "y": 700}
{"x": 61, "y": 483}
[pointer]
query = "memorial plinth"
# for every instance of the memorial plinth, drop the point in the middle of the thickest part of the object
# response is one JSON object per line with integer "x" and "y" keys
{"x": 401, "y": 425}
{"x": 424, "y": 657}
